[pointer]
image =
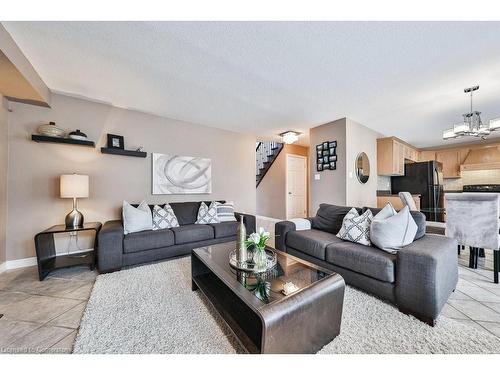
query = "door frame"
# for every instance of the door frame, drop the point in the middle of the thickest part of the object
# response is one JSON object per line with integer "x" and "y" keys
{"x": 306, "y": 175}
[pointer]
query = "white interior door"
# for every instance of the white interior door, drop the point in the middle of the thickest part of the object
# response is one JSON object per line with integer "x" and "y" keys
{"x": 296, "y": 186}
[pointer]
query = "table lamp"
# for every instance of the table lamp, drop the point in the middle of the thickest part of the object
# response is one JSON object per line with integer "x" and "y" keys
{"x": 74, "y": 186}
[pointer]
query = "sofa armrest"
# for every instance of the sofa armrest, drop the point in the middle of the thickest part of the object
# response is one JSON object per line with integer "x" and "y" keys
{"x": 248, "y": 220}
{"x": 426, "y": 275}
{"x": 110, "y": 249}
{"x": 280, "y": 231}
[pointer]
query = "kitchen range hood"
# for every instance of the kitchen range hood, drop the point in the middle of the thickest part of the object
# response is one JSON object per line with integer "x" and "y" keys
{"x": 481, "y": 159}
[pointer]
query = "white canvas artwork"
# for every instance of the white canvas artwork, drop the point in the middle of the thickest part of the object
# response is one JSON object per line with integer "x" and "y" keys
{"x": 174, "y": 174}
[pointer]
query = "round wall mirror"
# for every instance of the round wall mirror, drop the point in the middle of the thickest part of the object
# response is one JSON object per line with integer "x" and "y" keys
{"x": 362, "y": 168}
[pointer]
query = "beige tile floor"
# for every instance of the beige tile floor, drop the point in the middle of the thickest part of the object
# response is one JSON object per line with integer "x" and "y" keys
{"x": 43, "y": 317}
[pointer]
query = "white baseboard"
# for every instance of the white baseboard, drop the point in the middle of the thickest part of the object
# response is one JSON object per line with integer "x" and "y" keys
{"x": 26, "y": 262}
{"x": 20, "y": 263}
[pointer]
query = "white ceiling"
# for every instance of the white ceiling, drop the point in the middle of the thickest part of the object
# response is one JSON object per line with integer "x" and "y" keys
{"x": 403, "y": 79}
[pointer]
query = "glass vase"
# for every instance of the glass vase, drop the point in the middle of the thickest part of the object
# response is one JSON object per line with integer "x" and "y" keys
{"x": 260, "y": 259}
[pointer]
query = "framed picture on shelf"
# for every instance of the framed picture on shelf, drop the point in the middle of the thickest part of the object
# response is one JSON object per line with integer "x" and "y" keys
{"x": 333, "y": 144}
{"x": 333, "y": 165}
{"x": 116, "y": 141}
{"x": 325, "y": 145}
{"x": 319, "y": 167}
{"x": 320, "y": 154}
{"x": 333, "y": 151}
{"x": 319, "y": 147}
{"x": 332, "y": 158}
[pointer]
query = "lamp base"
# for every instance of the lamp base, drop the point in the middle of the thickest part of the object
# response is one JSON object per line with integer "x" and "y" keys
{"x": 74, "y": 219}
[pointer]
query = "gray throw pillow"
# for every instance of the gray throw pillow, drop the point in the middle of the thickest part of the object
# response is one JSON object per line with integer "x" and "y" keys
{"x": 136, "y": 219}
{"x": 225, "y": 212}
{"x": 394, "y": 232}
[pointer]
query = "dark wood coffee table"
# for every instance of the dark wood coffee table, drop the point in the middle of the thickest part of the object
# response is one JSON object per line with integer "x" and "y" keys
{"x": 263, "y": 319}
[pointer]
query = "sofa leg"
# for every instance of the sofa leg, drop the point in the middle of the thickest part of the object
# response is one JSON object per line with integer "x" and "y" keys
{"x": 110, "y": 271}
{"x": 429, "y": 321}
{"x": 496, "y": 265}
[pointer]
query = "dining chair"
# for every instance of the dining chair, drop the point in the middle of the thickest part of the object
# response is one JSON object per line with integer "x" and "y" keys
{"x": 472, "y": 219}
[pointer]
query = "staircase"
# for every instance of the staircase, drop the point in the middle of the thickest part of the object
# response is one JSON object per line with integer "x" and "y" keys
{"x": 266, "y": 152}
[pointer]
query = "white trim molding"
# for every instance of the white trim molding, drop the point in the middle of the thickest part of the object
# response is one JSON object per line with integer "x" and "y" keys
{"x": 20, "y": 263}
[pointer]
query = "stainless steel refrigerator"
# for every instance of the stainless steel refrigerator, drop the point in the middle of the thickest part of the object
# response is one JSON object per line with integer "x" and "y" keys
{"x": 426, "y": 179}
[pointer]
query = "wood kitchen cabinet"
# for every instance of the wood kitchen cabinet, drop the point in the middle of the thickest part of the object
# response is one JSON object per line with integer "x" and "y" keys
{"x": 391, "y": 156}
{"x": 451, "y": 160}
{"x": 427, "y": 155}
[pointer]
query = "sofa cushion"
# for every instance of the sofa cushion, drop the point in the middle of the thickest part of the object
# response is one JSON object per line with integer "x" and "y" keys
{"x": 367, "y": 260}
{"x": 227, "y": 229}
{"x": 192, "y": 233}
{"x": 186, "y": 212}
{"x": 329, "y": 217}
{"x": 312, "y": 242}
{"x": 147, "y": 240}
{"x": 418, "y": 216}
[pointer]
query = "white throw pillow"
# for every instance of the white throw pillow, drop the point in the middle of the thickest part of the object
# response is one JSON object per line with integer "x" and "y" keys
{"x": 207, "y": 215}
{"x": 164, "y": 218}
{"x": 356, "y": 228}
{"x": 225, "y": 212}
{"x": 136, "y": 219}
{"x": 393, "y": 233}
{"x": 385, "y": 212}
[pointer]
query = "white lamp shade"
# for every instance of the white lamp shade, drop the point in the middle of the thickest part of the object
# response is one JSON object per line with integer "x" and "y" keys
{"x": 74, "y": 186}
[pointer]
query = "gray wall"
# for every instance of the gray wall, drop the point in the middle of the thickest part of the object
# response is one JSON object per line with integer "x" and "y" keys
{"x": 3, "y": 176}
{"x": 361, "y": 139}
{"x": 331, "y": 188}
{"x": 34, "y": 168}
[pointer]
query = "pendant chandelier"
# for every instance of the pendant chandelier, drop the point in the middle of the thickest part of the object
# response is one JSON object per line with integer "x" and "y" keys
{"x": 472, "y": 125}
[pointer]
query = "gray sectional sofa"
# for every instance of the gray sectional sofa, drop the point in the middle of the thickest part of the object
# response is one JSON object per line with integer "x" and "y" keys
{"x": 418, "y": 279}
{"x": 116, "y": 250}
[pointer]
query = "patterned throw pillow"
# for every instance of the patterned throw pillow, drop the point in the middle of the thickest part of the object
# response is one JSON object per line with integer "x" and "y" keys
{"x": 164, "y": 217}
{"x": 225, "y": 212}
{"x": 356, "y": 227}
{"x": 207, "y": 215}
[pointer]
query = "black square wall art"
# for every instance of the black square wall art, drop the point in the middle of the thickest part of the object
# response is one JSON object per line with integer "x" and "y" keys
{"x": 326, "y": 156}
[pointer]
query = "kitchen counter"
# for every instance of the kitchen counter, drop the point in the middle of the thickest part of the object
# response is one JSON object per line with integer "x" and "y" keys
{"x": 396, "y": 202}
{"x": 387, "y": 193}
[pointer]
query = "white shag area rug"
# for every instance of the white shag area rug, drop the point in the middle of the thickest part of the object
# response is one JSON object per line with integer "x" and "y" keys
{"x": 151, "y": 309}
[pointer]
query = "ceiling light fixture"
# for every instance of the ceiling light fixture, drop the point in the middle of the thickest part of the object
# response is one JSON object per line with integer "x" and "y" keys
{"x": 289, "y": 137}
{"x": 472, "y": 124}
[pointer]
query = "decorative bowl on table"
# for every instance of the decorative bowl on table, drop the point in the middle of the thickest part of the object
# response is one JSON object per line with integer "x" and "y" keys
{"x": 249, "y": 265}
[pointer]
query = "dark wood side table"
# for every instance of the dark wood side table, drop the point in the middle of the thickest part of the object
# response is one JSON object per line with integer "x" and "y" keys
{"x": 46, "y": 255}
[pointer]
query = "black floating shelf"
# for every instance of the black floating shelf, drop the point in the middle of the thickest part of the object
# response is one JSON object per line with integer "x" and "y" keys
{"x": 68, "y": 141}
{"x": 119, "y": 151}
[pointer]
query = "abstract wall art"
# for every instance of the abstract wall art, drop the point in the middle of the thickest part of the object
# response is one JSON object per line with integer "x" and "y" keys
{"x": 174, "y": 174}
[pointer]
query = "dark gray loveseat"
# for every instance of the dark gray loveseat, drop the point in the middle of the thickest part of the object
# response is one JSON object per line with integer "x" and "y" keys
{"x": 418, "y": 279}
{"x": 117, "y": 250}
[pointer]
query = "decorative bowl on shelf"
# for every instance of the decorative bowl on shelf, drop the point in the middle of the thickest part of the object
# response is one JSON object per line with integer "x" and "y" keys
{"x": 51, "y": 130}
{"x": 78, "y": 135}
